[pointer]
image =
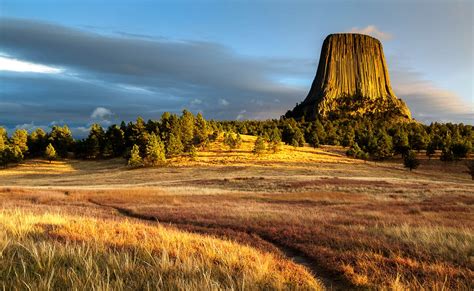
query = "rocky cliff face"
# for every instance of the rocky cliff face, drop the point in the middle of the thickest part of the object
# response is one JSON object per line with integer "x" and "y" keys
{"x": 352, "y": 81}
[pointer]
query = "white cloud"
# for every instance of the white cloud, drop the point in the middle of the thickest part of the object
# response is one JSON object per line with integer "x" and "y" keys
{"x": 372, "y": 30}
{"x": 429, "y": 102}
{"x": 100, "y": 113}
{"x": 223, "y": 102}
{"x": 196, "y": 101}
{"x": 14, "y": 65}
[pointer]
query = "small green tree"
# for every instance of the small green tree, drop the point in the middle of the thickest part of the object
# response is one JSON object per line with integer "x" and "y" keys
{"x": 259, "y": 146}
{"x": 430, "y": 150}
{"x": 155, "y": 151}
{"x": 20, "y": 139}
{"x": 232, "y": 140}
{"x": 314, "y": 139}
{"x": 410, "y": 161}
{"x": 298, "y": 138}
{"x": 460, "y": 149}
{"x": 238, "y": 140}
{"x": 50, "y": 153}
{"x": 135, "y": 159}
{"x": 174, "y": 146}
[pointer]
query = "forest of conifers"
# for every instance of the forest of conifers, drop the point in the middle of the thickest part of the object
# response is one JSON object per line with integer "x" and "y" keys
{"x": 175, "y": 135}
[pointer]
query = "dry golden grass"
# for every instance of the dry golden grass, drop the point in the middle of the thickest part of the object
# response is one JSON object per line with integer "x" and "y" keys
{"x": 59, "y": 252}
{"x": 358, "y": 224}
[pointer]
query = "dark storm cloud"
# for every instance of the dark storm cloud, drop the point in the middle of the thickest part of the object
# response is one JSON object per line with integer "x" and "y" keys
{"x": 159, "y": 73}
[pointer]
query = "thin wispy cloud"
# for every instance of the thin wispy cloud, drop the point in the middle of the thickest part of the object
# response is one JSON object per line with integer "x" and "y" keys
{"x": 372, "y": 30}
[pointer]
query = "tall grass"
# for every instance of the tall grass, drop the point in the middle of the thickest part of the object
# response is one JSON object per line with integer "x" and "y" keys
{"x": 52, "y": 251}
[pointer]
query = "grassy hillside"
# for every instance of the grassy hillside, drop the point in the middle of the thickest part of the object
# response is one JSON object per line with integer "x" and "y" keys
{"x": 53, "y": 251}
{"x": 352, "y": 224}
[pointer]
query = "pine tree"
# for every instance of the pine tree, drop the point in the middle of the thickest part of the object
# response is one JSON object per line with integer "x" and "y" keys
{"x": 50, "y": 153}
{"x": 200, "y": 130}
{"x": 400, "y": 142}
{"x": 410, "y": 161}
{"x": 259, "y": 146}
{"x": 298, "y": 138}
{"x": 174, "y": 146}
{"x": 238, "y": 140}
{"x": 155, "y": 151}
{"x": 61, "y": 139}
{"x": 314, "y": 139}
{"x": 430, "y": 150}
{"x": 135, "y": 159}
{"x": 37, "y": 142}
{"x": 383, "y": 148}
{"x": 187, "y": 129}
{"x": 20, "y": 139}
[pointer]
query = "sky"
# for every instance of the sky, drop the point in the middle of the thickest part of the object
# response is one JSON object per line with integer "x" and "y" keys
{"x": 83, "y": 62}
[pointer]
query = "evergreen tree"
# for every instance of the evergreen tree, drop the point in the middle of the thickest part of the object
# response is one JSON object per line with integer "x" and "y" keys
{"x": 37, "y": 142}
{"x": 50, "y": 153}
{"x": 61, "y": 139}
{"x": 274, "y": 140}
{"x": 430, "y": 150}
{"x": 95, "y": 141}
{"x": 115, "y": 141}
{"x": 135, "y": 159}
{"x": 187, "y": 129}
{"x": 348, "y": 137}
{"x": 320, "y": 132}
{"x": 418, "y": 138}
{"x": 238, "y": 140}
{"x": 259, "y": 146}
{"x": 400, "y": 142}
{"x": 174, "y": 147}
{"x": 20, "y": 139}
{"x": 232, "y": 140}
{"x": 200, "y": 130}
{"x": 155, "y": 151}
{"x": 410, "y": 161}
{"x": 384, "y": 146}
{"x": 460, "y": 149}
{"x": 298, "y": 138}
{"x": 10, "y": 154}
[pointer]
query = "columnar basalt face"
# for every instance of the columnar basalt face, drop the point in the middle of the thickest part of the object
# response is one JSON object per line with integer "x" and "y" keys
{"x": 352, "y": 80}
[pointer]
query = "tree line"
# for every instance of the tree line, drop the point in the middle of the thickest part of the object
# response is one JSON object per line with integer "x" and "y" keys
{"x": 152, "y": 142}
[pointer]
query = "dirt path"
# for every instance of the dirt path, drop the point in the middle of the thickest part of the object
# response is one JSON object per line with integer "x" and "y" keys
{"x": 293, "y": 254}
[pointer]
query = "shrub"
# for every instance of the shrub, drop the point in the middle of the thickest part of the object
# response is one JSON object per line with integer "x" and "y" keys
{"x": 135, "y": 160}
{"x": 410, "y": 161}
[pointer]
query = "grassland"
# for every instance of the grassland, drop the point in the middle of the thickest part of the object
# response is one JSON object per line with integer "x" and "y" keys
{"x": 311, "y": 217}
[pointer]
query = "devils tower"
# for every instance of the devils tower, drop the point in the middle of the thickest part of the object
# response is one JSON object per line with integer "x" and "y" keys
{"x": 351, "y": 81}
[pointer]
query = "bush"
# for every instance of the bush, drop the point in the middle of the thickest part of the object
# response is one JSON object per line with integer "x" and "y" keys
{"x": 135, "y": 160}
{"x": 259, "y": 146}
{"x": 410, "y": 161}
{"x": 50, "y": 153}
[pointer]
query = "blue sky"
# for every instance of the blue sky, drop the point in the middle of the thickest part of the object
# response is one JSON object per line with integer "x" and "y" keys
{"x": 79, "y": 62}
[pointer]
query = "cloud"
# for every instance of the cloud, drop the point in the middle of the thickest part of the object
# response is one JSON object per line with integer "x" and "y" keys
{"x": 429, "y": 102}
{"x": 223, "y": 102}
{"x": 372, "y": 30}
{"x": 140, "y": 76}
{"x": 101, "y": 113}
{"x": 14, "y": 65}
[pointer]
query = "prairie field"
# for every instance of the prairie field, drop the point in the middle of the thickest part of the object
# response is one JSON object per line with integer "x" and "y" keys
{"x": 302, "y": 218}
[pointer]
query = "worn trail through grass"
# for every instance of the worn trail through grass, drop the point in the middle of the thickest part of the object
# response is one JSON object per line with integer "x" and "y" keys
{"x": 298, "y": 257}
